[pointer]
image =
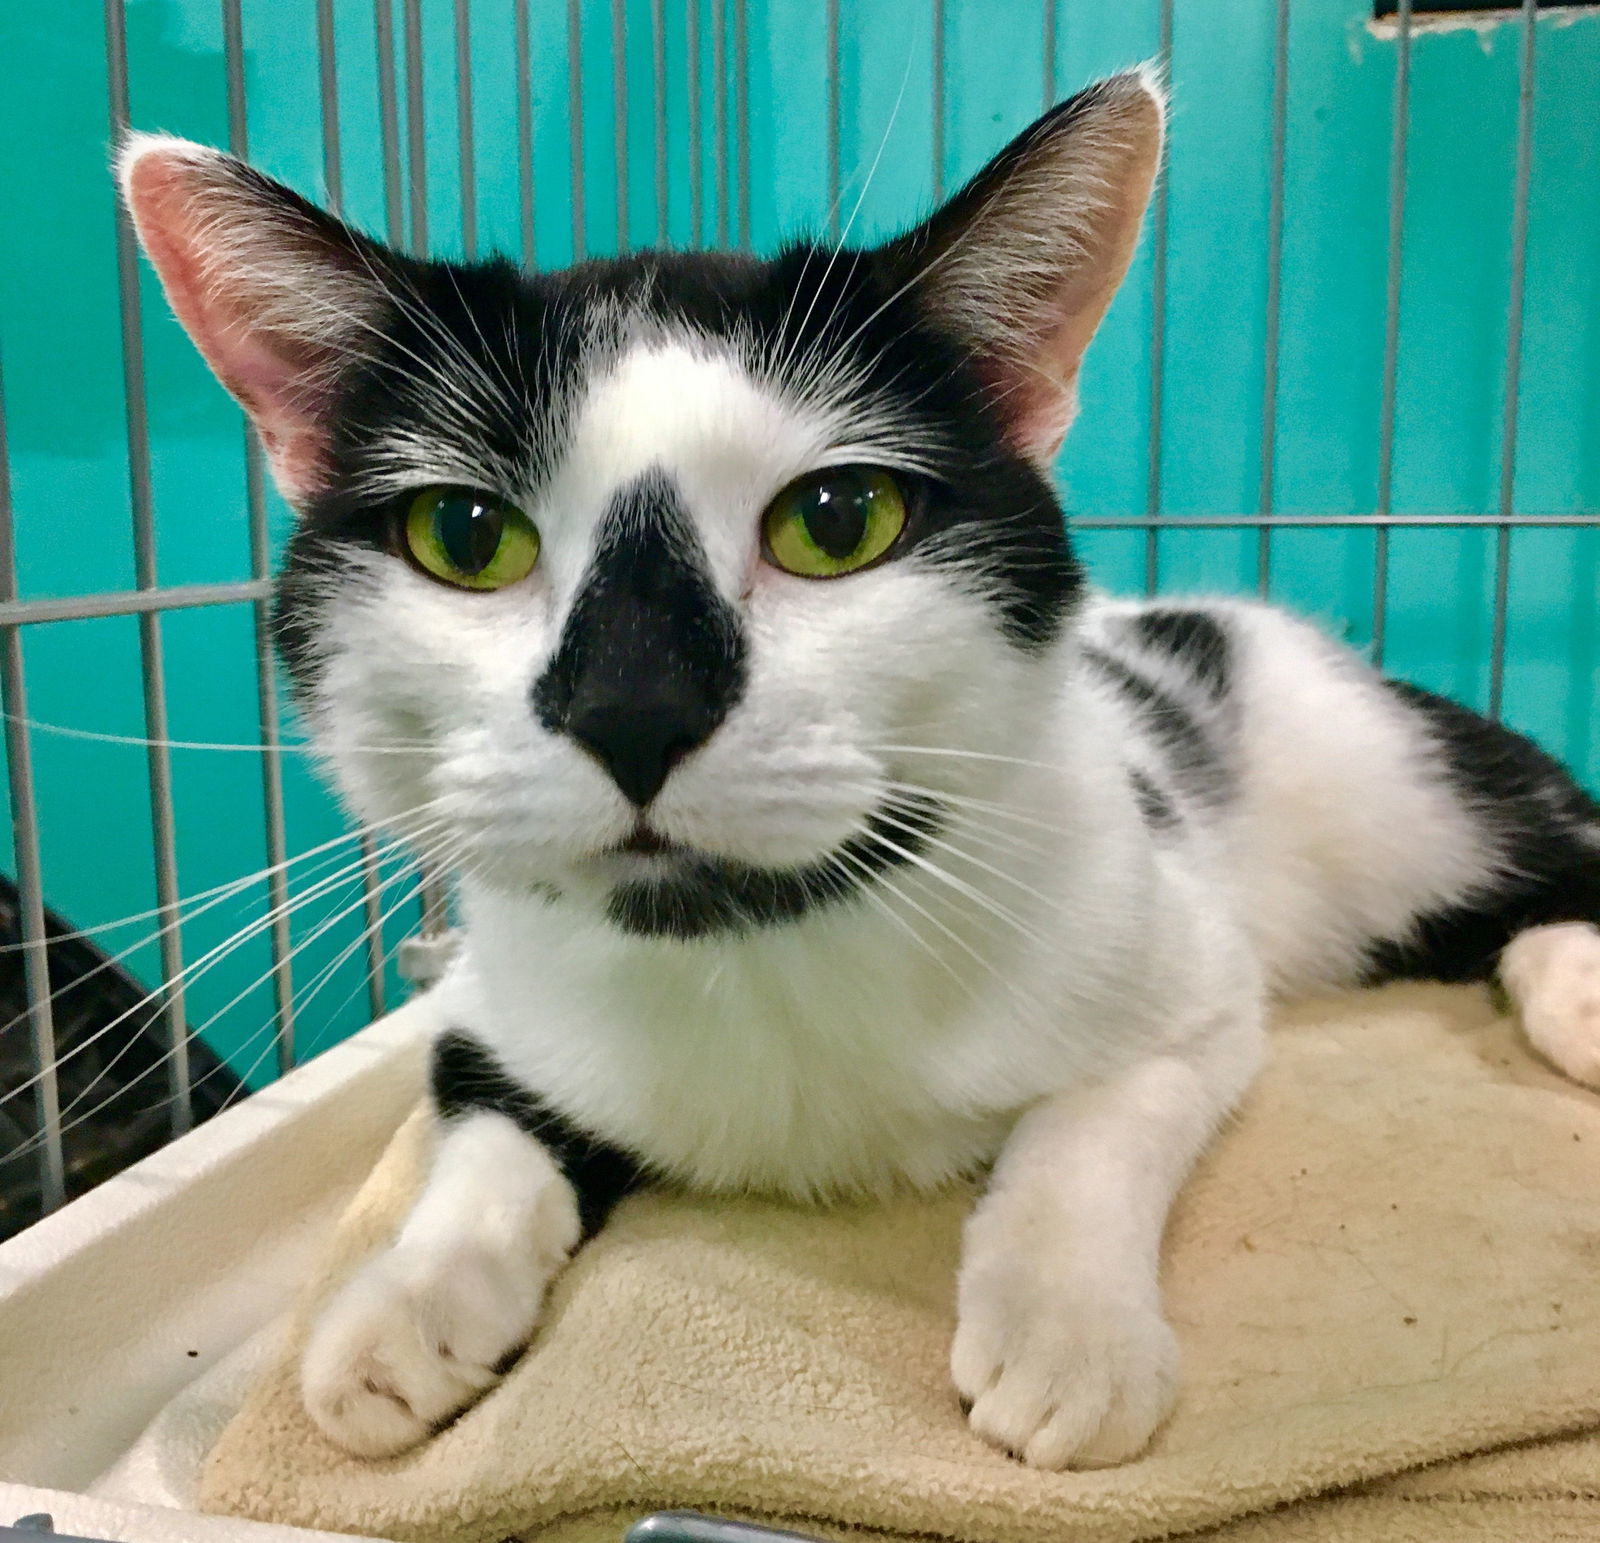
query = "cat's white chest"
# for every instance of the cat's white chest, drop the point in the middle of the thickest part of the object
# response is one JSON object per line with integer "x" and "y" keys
{"x": 723, "y": 1069}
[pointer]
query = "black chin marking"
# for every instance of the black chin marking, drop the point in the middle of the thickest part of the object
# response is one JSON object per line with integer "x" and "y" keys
{"x": 711, "y": 897}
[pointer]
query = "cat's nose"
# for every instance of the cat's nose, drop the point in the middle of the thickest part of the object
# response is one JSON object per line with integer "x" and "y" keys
{"x": 638, "y": 742}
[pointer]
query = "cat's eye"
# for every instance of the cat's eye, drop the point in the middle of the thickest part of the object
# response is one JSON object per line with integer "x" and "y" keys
{"x": 833, "y": 522}
{"x": 469, "y": 539}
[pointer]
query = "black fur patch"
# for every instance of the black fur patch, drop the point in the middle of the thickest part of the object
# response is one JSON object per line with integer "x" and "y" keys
{"x": 467, "y": 1078}
{"x": 1193, "y": 639}
{"x": 713, "y": 897}
{"x": 1545, "y": 828}
{"x": 1197, "y": 766}
{"x": 1155, "y": 808}
{"x": 651, "y": 658}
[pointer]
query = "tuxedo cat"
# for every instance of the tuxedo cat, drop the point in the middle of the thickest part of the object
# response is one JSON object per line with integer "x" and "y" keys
{"x": 817, "y": 830}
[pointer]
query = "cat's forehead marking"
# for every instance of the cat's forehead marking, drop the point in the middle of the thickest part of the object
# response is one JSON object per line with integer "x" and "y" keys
{"x": 691, "y": 413}
{"x": 692, "y": 407}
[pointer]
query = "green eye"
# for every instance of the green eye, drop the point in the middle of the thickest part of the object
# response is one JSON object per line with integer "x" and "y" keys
{"x": 469, "y": 539}
{"x": 833, "y": 522}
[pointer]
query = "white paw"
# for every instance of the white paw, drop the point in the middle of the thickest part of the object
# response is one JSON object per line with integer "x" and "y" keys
{"x": 421, "y": 1332}
{"x": 1058, "y": 1372}
{"x": 1553, "y": 976}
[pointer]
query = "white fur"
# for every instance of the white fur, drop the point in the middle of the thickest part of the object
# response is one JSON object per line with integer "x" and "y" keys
{"x": 421, "y": 1328}
{"x": 1552, "y": 974}
{"x": 1049, "y": 970}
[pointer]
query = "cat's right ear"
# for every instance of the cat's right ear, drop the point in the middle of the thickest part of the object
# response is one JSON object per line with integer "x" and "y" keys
{"x": 1022, "y": 262}
{"x": 276, "y": 294}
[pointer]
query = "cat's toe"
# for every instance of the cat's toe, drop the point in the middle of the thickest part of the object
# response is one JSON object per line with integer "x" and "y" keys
{"x": 401, "y": 1349}
{"x": 1079, "y": 1385}
{"x": 1553, "y": 976}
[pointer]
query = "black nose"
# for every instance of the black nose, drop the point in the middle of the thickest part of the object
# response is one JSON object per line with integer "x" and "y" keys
{"x": 651, "y": 657}
{"x": 638, "y": 742}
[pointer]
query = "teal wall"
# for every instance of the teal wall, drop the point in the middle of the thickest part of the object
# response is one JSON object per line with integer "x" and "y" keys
{"x": 60, "y": 347}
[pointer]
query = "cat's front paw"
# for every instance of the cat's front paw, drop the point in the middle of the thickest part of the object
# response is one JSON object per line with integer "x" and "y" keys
{"x": 1059, "y": 1373}
{"x": 417, "y": 1336}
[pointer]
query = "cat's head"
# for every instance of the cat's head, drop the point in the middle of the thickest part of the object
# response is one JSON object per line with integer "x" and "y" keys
{"x": 681, "y": 585}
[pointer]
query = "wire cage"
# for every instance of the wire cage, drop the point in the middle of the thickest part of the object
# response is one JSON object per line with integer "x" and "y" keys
{"x": 1356, "y": 367}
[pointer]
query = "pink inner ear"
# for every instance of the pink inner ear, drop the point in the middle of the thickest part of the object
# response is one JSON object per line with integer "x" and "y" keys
{"x": 192, "y": 221}
{"x": 1041, "y": 395}
{"x": 1037, "y": 412}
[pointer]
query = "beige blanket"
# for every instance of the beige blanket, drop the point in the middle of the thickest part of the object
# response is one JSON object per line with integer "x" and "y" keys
{"x": 1387, "y": 1266}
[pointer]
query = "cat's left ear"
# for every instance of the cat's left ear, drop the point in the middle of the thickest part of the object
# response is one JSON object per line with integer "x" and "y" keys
{"x": 1022, "y": 263}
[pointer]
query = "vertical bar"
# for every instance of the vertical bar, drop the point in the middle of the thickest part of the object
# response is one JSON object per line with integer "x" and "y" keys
{"x": 619, "y": 109}
{"x": 30, "y": 883}
{"x": 580, "y": 222}
{"x": 835, "y": 127}
{"x": 268, "y": 718}
{"x": 388, "y": 118}
{"x": 1048, "y": 46}
{"x": 525, "y": 131}
{"x": 938, "y": 99}
{"x": 1274, "y": 301}
{"x": 658, "y": 60}
{"x": 328, "y": 85}
{"x": 697, "y": 192}
{"x": 435, "y": 908}
{"x": 1399, "y": 135}
{"x": 467, "y": 146}
{"x": 142, "y": 508}
{"x": 741, "y": 81}
{"x": 1513, "y": 367}
{"x": 719, "y": 116}
{"x": 1158, "y": 344}
{"x": 416, "y": 127}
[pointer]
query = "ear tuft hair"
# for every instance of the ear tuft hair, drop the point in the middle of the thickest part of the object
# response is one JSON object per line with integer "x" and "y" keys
{"x": 1024, "y": 260}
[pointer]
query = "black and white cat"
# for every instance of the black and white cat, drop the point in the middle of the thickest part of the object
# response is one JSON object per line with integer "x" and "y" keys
{"x": 817, "y": 830}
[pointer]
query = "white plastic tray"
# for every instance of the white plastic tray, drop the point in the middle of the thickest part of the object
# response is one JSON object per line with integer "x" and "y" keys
{"x": 110, "y": 1308}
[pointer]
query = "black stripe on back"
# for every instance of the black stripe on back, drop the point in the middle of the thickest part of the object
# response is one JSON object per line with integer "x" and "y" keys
{"x": 1194, "y": 640}
{"x": 1197, "y": 766}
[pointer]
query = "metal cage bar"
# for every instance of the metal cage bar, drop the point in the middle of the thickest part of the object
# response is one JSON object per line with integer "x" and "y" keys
{"x": 465, "y": 129}
{"x": 580, "y": 219}
{"x": 939, "y": 106}
{"x": 268, "y": 717}
{"x": 741, "y": 116}
{"x": 1399, "y": 137}
{"x": 835, "y": 147}
{"x": 525, "y": 189}
{"x": 1158, "y": 346}
{"x": 619, "y": 109}
{"x": 328, "y": 90}
{"x": 1526, "y": 65}
{"x": 389, "y": 120}
{"x": 416, "y": 126}
{"x": 25, "y": 836}
{"x": 1266, "y": 493}
{"x": 697, "y": 191}
{"x": 719, "y": 116}
{"x": 1047, "y": 48}
{"x": 658, "y": 67}
{"x": 141, "y": 499}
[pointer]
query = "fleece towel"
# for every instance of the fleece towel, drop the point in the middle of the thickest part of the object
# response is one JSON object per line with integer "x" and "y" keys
{"x": 1383, "y": 1279}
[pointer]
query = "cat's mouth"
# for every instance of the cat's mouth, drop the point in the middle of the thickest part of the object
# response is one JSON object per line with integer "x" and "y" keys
{"x": 646, "y": 842}
{"x": 686, "y": 893}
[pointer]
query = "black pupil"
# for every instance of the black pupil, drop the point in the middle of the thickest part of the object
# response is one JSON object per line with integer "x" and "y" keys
{"x": 469, "y": 531}
{"x": 835, "y": 514}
